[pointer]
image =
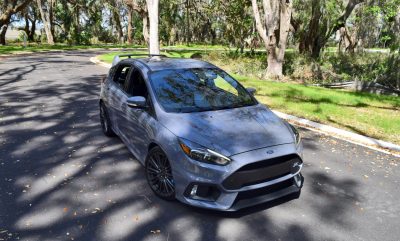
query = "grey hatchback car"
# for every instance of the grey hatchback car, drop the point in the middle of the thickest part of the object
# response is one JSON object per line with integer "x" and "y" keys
{"x": 202, "y": 137}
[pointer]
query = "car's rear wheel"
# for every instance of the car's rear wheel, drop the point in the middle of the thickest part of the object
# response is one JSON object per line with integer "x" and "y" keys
{"x": 105, "y": 121}
{"x": 159, "y": 174}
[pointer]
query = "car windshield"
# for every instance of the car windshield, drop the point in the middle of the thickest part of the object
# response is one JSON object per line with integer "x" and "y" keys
{"x": 194, "y": 90}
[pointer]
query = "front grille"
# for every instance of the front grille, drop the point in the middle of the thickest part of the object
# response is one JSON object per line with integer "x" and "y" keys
{"x": 262, "y": 171}
{"x": 268, "y": 162}
{"x": 264, "y": 191}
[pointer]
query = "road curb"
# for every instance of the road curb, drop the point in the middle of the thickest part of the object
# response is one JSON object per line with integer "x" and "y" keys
{"x": 358, "y": 139}
{"x": 95, "y": 60}
{"x": 375, "y": 144}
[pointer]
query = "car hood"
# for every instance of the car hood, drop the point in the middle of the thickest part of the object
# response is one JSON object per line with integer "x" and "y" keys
{"x": 230, "y": 131}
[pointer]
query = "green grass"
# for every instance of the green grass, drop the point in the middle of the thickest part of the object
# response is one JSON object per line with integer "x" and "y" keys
{"x": 31, "y": 48}
{"x": 367, "y": 114}
{"x": 18, "y": 48}
{"x": 372, "y": 115}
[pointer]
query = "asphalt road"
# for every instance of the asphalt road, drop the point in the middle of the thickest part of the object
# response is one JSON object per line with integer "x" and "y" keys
{"x": 61, "y": 179}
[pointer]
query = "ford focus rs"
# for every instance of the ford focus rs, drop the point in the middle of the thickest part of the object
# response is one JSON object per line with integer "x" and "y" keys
{"x": 202, "y": 137}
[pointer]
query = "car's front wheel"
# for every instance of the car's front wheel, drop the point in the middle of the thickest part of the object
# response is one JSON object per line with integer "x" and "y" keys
{"x": 105, "y": 121}
{"x": 159, "y": 174}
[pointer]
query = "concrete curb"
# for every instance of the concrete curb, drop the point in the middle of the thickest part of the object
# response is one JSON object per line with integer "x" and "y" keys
{"x": 95, "y": 60}
{"x": 375, "y": 144}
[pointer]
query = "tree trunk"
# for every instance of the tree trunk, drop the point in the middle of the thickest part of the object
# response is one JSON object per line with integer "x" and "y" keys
{"x": 187, "y": 28}
{"x": 45, "y": 15}
{"x": 310, "y": 42}
{"x": 26, "y": 27}
{"x": 130, "y": 27}
{"x": 275, "y": 67}
{"x": 3, "y": 32}
{"x": 274, "y": 32}
{"x": 397, "y": 37}
{"x": 145, "y": 29}
{"x": 31, "y": 35}
{"x": 51, "y": 18}
{"x": 77, "y": 34}
{"x": 318, "y": 33}
{"x": 142, "y": 10}
{"x": 154, "y": 43}
{"x": 118, "y": 26}
{"x": 348, "y": 40}
{"x": 284, "y": 29}
{"x": 172, "y": 36}
{"x": 6, "y": 14}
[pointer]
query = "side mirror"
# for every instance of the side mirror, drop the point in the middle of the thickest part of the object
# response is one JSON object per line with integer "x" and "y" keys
{"x": 251, "y": 90}
{"x": 138, "y": 102}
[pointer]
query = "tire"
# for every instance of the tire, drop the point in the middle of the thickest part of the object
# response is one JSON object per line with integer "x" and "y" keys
{"x": 159, "y": 174}
{"x": 105, "y": 121}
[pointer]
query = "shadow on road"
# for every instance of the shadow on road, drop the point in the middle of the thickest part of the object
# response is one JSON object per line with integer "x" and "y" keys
{"x": 61, "y": 179}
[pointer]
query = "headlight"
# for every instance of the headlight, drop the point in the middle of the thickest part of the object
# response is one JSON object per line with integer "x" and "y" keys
{"x": 202, "y": 154}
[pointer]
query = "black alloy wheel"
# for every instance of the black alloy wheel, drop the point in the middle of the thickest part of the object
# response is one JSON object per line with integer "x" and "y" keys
{"x": 105, "y": 121}
{"x": 159, "y": 174}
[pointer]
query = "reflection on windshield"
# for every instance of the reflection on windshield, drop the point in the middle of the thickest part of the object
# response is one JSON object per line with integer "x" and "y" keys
{"x": 193, "y": 90}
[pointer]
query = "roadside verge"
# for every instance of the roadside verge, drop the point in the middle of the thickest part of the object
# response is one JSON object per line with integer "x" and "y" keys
{"x": 375, "y": 144}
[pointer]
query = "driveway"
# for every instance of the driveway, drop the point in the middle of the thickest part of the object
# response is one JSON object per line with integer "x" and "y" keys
{"x": 62, "y": 179}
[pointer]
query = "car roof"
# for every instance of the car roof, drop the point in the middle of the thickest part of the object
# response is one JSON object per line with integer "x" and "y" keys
{"x": 160, "y": 63}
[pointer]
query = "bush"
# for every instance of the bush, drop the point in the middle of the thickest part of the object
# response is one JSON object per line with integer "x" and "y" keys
{"x": 253, "y": 65}
{"x": 331, "y": 67}
{"x": 390, "y": 73}
{"x": 339, "y": 67}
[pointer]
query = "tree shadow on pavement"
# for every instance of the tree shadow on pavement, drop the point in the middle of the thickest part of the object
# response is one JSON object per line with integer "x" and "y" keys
{"x": 62, "y": 179}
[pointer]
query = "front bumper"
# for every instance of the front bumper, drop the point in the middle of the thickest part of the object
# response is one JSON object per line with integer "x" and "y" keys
{"x": 252, "y": 178}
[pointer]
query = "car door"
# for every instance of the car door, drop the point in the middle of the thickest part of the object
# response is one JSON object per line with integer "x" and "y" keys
{"x": 117, "y": 96}
{"x": 136, "y": 123}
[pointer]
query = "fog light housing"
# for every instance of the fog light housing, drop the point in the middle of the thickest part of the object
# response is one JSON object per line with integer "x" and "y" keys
{"x": 202, "y": 191}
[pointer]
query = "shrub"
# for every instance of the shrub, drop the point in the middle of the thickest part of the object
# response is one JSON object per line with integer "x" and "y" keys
{"x": 331, "y": 67}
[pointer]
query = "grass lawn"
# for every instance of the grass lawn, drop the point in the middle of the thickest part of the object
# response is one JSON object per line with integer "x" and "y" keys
{"x": 32, "y": 47}
{"x": 18, "y": 48}
{"x": 367, "y": 114}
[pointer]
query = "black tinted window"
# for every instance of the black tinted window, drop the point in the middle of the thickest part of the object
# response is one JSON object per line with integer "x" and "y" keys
{"x": 191, "y": 90}
{"x": 136, "y": 85}
{"x": 121, "y": 75}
